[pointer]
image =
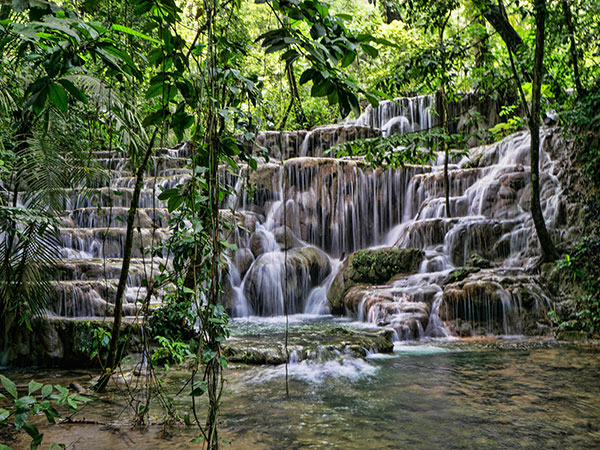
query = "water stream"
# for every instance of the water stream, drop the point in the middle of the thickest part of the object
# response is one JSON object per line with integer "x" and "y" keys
{"x": 480, "y": 394}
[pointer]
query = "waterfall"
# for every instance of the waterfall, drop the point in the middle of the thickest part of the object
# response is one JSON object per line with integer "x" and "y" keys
{"x": 301, "y": 213}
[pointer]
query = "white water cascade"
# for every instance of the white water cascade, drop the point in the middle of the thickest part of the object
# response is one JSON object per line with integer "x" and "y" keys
{"x": 304, "y": 212}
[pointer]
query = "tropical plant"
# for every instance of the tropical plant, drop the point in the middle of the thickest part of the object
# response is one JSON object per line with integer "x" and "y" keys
{"x": 44, "y": 402}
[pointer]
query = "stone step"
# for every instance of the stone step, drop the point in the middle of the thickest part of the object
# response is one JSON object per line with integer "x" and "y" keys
{"x": 89, "y": 298}
{"x": 157, "y": 163}
{"x": 106, "y": 196}
{"x": 98, "y": 242}
{"x": 79, "y": 269}
{"x": 116, "y": 216}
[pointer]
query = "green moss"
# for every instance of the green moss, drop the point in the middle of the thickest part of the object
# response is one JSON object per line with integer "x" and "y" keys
{"x": 571, "y": 335}
{"x": 379, "y": 266}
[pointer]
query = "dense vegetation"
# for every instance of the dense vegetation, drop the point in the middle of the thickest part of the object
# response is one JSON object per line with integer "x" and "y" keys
{"x": 128, "y": 77}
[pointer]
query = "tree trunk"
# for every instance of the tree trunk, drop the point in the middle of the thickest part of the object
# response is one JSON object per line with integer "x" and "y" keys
{"x": 548, "y": 250}
{"x": 496, "y": 15}
{"x": 444, "y": 118}
{"x": 573, "y": 47}
{"x": 113, "y": 357}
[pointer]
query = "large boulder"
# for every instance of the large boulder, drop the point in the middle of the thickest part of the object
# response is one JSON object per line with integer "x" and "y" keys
{"x": 371, "y": 267}
{"x": 262, "y": 242}
{"x": 243, "y": 259}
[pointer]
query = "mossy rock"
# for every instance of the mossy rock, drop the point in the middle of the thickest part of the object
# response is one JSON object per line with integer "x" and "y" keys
{"x": 379, "y": 266}
{"x": 460, "y": 274}
{"x": 371, "y": 267}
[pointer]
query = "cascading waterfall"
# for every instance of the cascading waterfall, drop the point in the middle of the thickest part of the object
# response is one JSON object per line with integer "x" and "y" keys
{"x": 304, "y": 212}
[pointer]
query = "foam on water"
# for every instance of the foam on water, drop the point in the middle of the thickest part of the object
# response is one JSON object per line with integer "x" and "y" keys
{"x": 351, "y": 369}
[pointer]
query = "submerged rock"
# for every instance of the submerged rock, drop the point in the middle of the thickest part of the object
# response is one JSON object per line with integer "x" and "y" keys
{"x": 327, "y": 344}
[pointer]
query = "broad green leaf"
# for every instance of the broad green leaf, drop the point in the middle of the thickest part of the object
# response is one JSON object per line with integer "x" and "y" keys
{"x": 73, "y": 90}
{"x": 21, "y": 418}
{"x": 34, "y": 386}
{"x": 252, "y": 163}
{"x": 24, "y": 402}
{"x": 317, "y": 31}
{"x": 62, "y": 390}
{"x": 132, "y": 32}
{"x": 348, "y": 58}
{"x": 307, "y": 75}
{"x": 58, "y": 96}
{"x": 4, "y": 414}
{"x": 199, "y": 388}
{"x": 322, "y": 89}
{"x": 369, "y": 50}
{"x": 10, "y": 387}
{"x": 46, "y": 391}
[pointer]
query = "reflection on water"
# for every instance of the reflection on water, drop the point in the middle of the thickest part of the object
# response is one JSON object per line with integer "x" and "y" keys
{"x": 437, "y": 395}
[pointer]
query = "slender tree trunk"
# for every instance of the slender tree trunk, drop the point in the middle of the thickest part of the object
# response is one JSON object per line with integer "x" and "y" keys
{"x": 573, "y": 47}
{"x": 112, "y": 359}
{"x": 213, "y": 371}
{"x": 548, "y": 250}
{"x": 444, "y": 118}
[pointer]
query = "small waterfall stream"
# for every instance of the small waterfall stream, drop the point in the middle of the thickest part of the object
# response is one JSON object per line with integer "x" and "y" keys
{"x": 304, "y": 212}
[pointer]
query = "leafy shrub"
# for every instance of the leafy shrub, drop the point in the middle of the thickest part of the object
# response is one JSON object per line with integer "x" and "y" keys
{"x": 173, "y": 321}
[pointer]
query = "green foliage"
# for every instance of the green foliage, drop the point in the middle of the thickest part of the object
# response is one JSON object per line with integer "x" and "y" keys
{"x": 581, "y": 265}
{"x": 92, "y": 339}
{"x": 328, "y": 47}
{"x": 399, "y": 150}
{"x": 583, "y": 121}
{"x": 27, "y": 250}
{"x": 512, "y": 122}
{"x": 170, "y": 351}
{"x": 32, "y": 404}
{"x": 173, "y": 320}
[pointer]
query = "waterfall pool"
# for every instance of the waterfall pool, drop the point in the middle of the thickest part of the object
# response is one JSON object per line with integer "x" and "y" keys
{"x": 506, "y": 392}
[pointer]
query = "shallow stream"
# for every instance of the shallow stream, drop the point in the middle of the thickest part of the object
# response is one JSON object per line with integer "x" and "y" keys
{"x": 506, "y": 392}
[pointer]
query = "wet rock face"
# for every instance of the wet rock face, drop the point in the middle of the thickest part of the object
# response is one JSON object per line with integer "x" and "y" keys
{"x": 314, "y": 143}
{"x": 286, "y": 238}
{"x": 318, "y": 346}
{"x": 243, "y": 259}
{"x": 288, "y": 215}
{"x": 496, "y": 301}
{"x": 260, "y": 243}
{"x": 62, "y": 342}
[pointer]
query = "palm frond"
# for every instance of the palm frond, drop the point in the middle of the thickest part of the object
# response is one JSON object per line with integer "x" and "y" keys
{"x": 29, "y": 252}
{"x": 7, "y": 101}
